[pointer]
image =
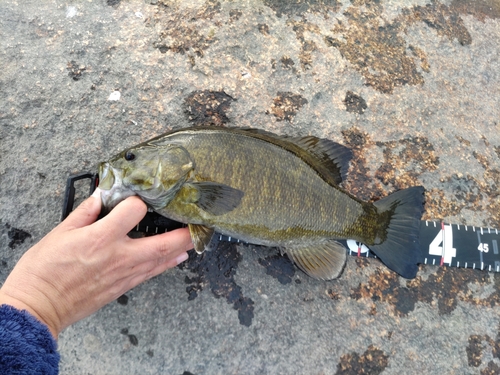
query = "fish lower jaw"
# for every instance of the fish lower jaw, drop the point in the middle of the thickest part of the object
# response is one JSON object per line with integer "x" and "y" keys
{"x": 110, "y": 198}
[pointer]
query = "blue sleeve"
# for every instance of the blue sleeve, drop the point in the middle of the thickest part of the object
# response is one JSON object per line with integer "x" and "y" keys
{"x": 26, "y": 345}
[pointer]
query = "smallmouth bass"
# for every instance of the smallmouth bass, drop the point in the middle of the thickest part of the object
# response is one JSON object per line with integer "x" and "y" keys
{"x": 269, "y": 190}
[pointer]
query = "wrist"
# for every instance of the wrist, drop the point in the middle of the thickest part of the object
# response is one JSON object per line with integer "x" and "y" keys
{"x": 6, "y": 299}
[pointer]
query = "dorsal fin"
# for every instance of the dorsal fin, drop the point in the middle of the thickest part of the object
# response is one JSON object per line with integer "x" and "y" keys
{"x": 334, "y": 156}
{"x": 325, "y": 156}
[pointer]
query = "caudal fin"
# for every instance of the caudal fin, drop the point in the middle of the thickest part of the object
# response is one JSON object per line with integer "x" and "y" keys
{"x": 400, "y": 249}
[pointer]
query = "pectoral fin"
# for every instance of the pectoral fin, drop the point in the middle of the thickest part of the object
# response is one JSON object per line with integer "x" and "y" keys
{"x": 216, "y": 199}
{"x": 324, "y": 261}
{"x": 203, "y": 238}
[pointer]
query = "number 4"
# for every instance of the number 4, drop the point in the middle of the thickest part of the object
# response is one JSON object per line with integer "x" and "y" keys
{"x": 444, "y": 238}
{"x": 483, "y": 247}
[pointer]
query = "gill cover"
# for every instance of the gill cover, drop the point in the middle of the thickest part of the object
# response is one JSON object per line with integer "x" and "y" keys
{"x": 153, "y": 173}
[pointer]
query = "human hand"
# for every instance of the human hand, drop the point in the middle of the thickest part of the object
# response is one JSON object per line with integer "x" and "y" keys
{"x": 82, "y": 265}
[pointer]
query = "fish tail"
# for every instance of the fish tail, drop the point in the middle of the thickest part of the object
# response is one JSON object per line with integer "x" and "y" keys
{"x": 399, "y": 246}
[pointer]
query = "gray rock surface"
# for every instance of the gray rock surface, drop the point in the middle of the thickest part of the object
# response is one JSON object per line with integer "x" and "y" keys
{"x": 412, "y": 86}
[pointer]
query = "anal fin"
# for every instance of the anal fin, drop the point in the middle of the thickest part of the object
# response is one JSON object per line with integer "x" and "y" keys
{"x": 324, "y": 260}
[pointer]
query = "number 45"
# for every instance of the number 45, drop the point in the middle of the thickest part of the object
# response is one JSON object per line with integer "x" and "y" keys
{"x": 483, "y": 247}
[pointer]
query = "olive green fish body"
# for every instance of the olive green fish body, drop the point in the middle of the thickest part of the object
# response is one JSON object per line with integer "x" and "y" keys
{"x": 284, "y": 198}
{"x": 270, "y": 190}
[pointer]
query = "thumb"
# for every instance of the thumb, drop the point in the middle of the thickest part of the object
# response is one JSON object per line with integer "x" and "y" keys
{"x": 86, "y": 213}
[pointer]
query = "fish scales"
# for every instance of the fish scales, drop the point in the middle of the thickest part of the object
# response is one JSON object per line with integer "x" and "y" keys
{"x": 284, "y": 198}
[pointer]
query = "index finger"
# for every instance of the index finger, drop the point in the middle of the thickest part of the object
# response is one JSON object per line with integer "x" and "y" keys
{"x": 162, "y": 246}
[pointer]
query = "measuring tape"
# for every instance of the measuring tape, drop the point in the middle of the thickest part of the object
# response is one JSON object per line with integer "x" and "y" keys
{"x": 442, "y": 244}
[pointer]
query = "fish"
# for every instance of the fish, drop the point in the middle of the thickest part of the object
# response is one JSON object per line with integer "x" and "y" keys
{"x": 266, "y": 189}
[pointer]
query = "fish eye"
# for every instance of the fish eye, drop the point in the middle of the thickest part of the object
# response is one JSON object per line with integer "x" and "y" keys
{"x": 129, "y": 155}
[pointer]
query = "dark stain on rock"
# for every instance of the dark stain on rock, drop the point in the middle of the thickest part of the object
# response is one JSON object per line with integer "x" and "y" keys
{"x": 480, "y": 9}
{"x": 443, "y": 19}
{"x": 279, "y": 267}
{"x": 300, "y": 7}
{"x": 150, "y": 353}
{"x": 438, "y": 206}
{"x": 378, "y": 52}
{"x": 378, "y": 49}
{"x": 468, "y": 192}
{"x": 474, "y": 350}
{"x": 208, "y": 107}
{"x": 75, "y": 70}
{"x": 405, "y": 160}
{"x": 216, "y": 269}
{"x": 286, "y": 105}
{"x": 372, "y": 362}
{"x": 463, "y": 141}
{"x": 113, "y": 2}
{"x": 16, "y": 236}
{"x": 307, "y": 47}
{"x": 357, "y": 182}
{"x": 287, "y": 62}
{"x": 424, "y": 63}
{"x": 132, "y": 338}
{"x": 123, "y": 300}
{"x": 354, "y": 103}
{"x": 497, "y": 151}
{"x": 263, "y": 28}
{"x": 476, "y": 347}
{"x": 181, "y": 31}
{"x": 492, "y": 369}
{"x": 235, "y": 14}
{"x": 483, "y": 160}
{"x": 447, "y": 286}
{"x": 466, "y": 189}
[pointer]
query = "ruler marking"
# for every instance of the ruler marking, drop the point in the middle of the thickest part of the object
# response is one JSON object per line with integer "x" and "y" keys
{"x": 495, "y": 247}
{"x": 481, "y": 231}
{"x": 480, "y": 246}
{"x": 425, "y": 261}
{"x": 458, "y": 226}
{"x": 434, "y": 224}
{"x": 466, "y": 228}
{"x": 458, "y": 264}
{"x": 443, "y": 248}
{"x": 426, "y": 223}
{"x": 473, "y": 266}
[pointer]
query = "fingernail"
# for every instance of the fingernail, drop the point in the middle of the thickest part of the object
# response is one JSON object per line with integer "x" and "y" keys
{"x": 97, "y": 193}
{"x": 181, "y": 258}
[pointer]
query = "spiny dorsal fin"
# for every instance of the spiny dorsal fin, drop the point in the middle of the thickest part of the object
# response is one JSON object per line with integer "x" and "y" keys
{"x": 324, "y": 260}
{"x": 325, "y": 156}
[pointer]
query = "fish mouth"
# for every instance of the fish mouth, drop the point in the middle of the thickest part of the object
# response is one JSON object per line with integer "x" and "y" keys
{"x": 111, "y": 186}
